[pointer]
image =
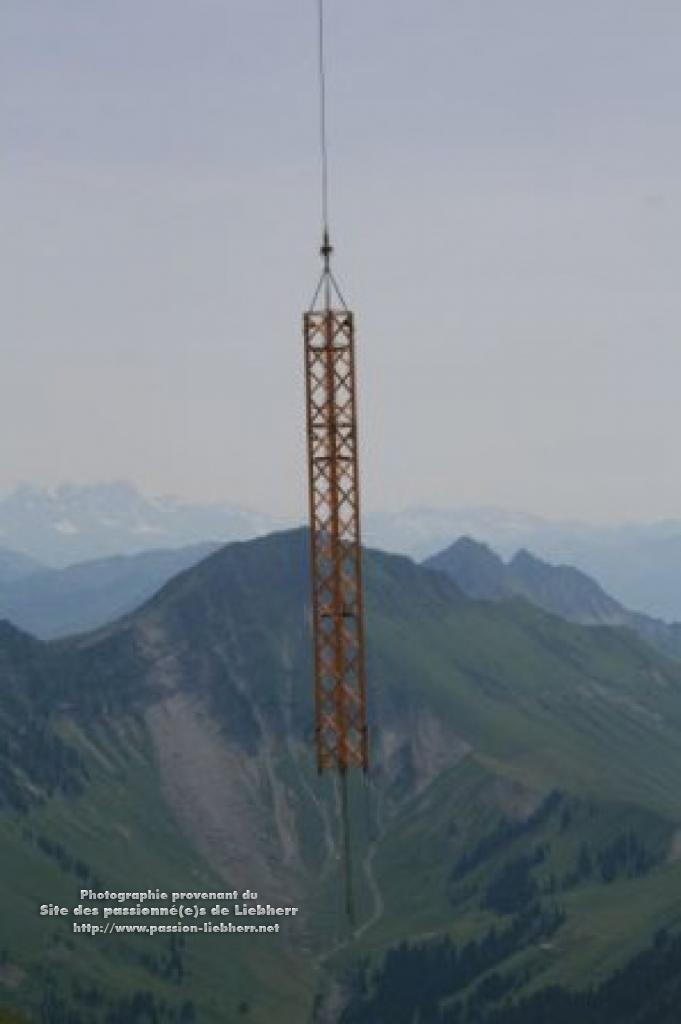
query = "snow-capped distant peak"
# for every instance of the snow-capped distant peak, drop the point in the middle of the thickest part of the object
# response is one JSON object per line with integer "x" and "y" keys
{"x": 66, "y": 527}
{"x": 72, "y": 523}
{"x": 145, "y": 529}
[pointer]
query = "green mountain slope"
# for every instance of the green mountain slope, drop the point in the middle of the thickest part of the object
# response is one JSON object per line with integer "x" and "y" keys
{"x": 525, "y": 784}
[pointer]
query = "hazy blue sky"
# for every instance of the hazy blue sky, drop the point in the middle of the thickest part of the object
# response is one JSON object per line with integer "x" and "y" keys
{"x": 506, "y": 204}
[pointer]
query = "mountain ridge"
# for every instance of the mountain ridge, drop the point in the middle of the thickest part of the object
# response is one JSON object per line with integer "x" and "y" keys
{"x": 560, "y": 589}
{"x": 83, "y": 596}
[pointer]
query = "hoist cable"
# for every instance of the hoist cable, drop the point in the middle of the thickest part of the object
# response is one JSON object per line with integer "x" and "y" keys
{"x": 322, "y": 122}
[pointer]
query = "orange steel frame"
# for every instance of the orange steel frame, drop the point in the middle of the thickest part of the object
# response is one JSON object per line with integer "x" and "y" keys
{"x": 337, "y": 600}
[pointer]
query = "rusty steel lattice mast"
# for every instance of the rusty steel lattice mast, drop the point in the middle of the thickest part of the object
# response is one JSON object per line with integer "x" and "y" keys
{"x": 337, "y": 600}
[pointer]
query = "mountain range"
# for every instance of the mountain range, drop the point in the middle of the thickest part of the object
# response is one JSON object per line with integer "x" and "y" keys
{"x": 638, "y": 563}
{"x": 15, "y": 566}
{"x": 54, "y": 602}
{"x": 71, "y": 523}
{"x": 560, "y": 589}
{"x": 518, "y": 840}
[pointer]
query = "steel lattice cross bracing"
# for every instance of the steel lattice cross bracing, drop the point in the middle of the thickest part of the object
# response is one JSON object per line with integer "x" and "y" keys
{"x": 337, "y": 604}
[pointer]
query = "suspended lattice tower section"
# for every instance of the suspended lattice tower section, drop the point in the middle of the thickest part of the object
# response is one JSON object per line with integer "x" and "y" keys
{"x": 336, "y": 557}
